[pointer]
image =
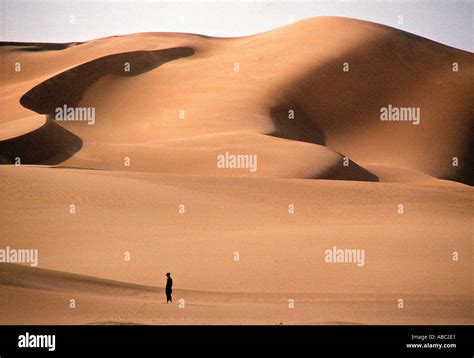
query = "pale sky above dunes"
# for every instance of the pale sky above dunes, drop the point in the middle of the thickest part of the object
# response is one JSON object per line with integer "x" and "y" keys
{"x": 447, "y": 21}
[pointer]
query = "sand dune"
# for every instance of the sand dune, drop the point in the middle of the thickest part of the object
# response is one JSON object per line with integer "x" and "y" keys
{"x": 298, "y": 67}
{"x": 47, "y": 96}
{"x": 45, "y": 297}
{"x": 120, "y": 212}
{"x": 56, "y": 281}
{"x": 275, "y": 157}
{"x": 166, "y": 106}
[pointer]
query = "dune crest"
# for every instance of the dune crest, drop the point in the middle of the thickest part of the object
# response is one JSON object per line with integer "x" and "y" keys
{"x": 274, "y": 157}
{"x": 321, "y": 81}
{"x": 48, "y": 95}
{"x": 49, "y": 280}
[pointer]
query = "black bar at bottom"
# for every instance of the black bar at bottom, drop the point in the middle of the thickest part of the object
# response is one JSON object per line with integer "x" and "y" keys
{"x": 446, "y": 341}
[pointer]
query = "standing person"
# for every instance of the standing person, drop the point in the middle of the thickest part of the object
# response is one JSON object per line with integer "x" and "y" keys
{"x": 169, "y": 286}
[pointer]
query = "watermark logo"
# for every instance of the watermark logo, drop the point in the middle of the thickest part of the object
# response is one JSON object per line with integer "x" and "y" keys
{"x": 13, "y": 256}
{"x": 75, "y": 114}
{"x": 351, "y": 256}
{"x": 400, "y": 114}
{"x": 237, "y": 161}
{"x": 28, "y": 340}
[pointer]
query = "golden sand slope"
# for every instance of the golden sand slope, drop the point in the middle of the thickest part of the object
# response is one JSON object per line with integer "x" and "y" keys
{"x": 298, "y": 67}
{"x": 280, "y": 253}
{"x": 182, "y": 104}
{"x": 45, "y": 296}
{"x": 199, "y": 156}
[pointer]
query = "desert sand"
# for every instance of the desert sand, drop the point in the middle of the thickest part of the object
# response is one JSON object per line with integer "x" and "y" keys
{"x": 243, "y": 247}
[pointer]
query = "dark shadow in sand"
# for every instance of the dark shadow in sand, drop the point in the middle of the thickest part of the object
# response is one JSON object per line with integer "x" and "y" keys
{"x": 329, "y": 102}
{"x": 465, "y": 173}
{"x": 68, "y": 87}
{"x": 50, "y": 144}
{"x": 39, "y": 46}
{"x": 350, "y": 172}
{"x": 292, "y": 122}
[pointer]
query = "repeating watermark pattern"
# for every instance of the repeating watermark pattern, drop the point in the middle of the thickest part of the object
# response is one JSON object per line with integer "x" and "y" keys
{"x": 345, "y": 256}
{"x": 75, "y": 114}
{"x": 28, "y": 340}
{"x": 400, "y": 114}
{"x": 237, "y": 161}
{"x": 19, "y": 256}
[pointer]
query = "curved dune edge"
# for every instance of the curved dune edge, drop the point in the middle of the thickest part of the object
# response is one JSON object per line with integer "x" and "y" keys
{"x": 39, "y": 46}
{"x": 21, "y": 126}
{"x": 42, "y": 279}
{"x": 387, "y": 174}
{"x": 50, "y": 280}
{"x": 45, "y": 97}
{"x": 331, "y": 108}
{"x": 46, "y": 296}
{"x": 266, "y": 156}
{"x": 49, "y": 144}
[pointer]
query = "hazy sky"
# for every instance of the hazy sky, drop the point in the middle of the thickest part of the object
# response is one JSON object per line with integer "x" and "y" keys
{"x": 449, "y": 22}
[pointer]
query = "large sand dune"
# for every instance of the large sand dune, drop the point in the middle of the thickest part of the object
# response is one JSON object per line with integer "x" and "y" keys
{"x": 298, "y": 67}
{"x": 167, "y": 105}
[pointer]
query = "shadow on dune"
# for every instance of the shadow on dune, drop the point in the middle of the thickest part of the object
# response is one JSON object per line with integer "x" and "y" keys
{"x": 50, "y": 144}
{"x": 39, "y": 46}
{"x": 465, "y": 173}
{"x": 333, "y": 107}
{"x": 351, "y": 172}
{"x": 327, "y": 100}
{"x": 68, "y": 87}
{"x": 295, "y": 125}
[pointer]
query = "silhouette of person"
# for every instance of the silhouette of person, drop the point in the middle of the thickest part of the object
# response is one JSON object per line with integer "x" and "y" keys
{"x": 169, "y": 286}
